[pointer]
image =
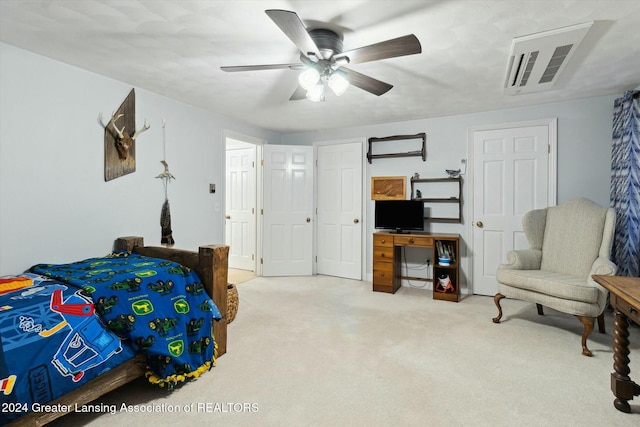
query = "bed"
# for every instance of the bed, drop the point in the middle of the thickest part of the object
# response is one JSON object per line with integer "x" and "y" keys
{"x": 75, "y": 305}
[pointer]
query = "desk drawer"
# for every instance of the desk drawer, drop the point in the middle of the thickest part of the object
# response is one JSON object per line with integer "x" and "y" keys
{"x": 626, "y": 308}
{"x": 382, "y": 240}
{"x": 413, "y": 241}
{"x": 383, "y": 273}
{"x": 382, "y": 254}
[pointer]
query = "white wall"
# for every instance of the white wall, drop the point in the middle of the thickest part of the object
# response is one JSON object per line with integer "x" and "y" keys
{"x": 584, "y": 154}
{"x": 584, "y": 142}
{"x": 54, "y": 203}
{"x": 56, "y": 207}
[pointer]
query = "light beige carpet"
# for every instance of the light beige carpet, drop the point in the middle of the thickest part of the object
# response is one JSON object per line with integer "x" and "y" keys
{"x": 323, "y": 351}
{"x": 237, "y": 276}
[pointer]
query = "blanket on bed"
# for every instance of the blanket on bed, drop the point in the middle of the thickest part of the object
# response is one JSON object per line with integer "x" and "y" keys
{"x": 159, "y": 306}
{"x": 51, "y": 342}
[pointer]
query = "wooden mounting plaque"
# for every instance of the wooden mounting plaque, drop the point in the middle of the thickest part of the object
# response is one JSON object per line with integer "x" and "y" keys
{"x": 114, "y": 166}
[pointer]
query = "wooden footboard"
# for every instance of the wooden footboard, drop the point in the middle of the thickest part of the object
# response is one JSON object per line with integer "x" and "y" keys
{"x": 211, "y": 264}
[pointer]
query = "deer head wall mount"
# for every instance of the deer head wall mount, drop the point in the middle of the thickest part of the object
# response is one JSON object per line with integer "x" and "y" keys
{"x": 120, "y": 135}
{"x": 123, "y": 140}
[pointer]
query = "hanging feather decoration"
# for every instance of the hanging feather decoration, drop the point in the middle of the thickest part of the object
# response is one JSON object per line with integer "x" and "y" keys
{"x": 165, "y": 214}
{"x": 165, "y": 224}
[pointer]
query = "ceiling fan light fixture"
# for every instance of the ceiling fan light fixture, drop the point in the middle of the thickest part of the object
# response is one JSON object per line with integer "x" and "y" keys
{"x": 321, "y": 49}
{"x": 338, "y": 83}
{"x": 339, "y": 62}
{"x": 316, "y": 93}
{"x": 309, "y": 78}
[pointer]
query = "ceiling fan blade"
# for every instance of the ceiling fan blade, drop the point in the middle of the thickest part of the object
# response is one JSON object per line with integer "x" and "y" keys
{"x": 292, "y": 26}
{"x": 367, "y": 83}
{"x": 262, "y": 67}
{"x": 401, "y": 46}
{"x": 300, "y": 93}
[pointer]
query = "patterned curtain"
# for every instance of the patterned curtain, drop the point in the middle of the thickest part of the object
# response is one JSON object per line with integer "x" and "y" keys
{"x": 625, "y": 183}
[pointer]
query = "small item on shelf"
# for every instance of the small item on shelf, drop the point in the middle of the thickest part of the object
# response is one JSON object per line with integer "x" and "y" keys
{"x": 444, "y": 284}
{"x": 452, "y": 173}
{"x": 446, "y": 254}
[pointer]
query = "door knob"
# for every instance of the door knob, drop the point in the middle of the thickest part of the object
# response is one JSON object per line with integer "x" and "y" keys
{"x": 356, "y": 220}
{"x": 479, "y": 224}
{"x": 227, "y": 216}
{"x": 308, "y": 219}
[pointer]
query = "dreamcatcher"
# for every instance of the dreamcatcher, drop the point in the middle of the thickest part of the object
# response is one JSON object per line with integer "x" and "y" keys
{"x": 165, "y": 213}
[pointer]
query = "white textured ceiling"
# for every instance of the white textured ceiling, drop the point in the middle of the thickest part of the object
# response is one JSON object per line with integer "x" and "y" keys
{"x": 176, "y": 47}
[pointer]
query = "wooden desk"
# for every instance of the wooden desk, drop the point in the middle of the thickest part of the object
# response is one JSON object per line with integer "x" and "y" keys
{"x": 387, "y": 268}
{"x": 625, "y": 299}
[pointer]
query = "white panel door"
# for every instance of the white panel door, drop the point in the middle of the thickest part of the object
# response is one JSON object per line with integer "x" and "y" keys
{"x": 240, "y": 229}
{"x": 339, "y": 220}
{"x": 510, "y": 178}
{"x": 288, "y": 210}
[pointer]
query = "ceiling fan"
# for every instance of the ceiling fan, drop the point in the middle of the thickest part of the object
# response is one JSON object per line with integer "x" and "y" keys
{"x": 322, "y": 60}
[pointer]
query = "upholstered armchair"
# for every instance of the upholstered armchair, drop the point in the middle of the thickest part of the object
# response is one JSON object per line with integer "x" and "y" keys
{"x": 567, "y": 244}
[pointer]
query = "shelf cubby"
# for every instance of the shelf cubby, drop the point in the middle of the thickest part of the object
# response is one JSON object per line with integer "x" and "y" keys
{"x": 453, "y": 199}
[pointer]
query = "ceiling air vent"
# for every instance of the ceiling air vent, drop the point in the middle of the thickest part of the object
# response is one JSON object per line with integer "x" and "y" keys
{"x": 536, "y": 60}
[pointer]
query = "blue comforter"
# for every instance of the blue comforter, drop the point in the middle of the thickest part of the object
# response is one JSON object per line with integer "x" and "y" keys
{"x": 52, "y": 341}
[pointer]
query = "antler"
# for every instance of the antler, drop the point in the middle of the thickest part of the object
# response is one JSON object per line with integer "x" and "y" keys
{"x": 120, "y": 132}
{"x": 104, "y": 125}
{"x": 144, "y": 128}
{"x": 112, "y": 122}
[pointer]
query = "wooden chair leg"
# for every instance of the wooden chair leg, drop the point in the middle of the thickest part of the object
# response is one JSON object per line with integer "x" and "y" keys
{"x": 497, "y": 299}
{"x": 540, "y": 310}
{"x": 587, "y": 322}
{"x": 601, "y": 324}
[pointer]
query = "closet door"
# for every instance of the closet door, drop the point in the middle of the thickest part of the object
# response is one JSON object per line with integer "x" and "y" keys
{"x": 240, "y": 205}
{"x": 339, "y": 222}
{"x": 288, "y": 210}
{"x": 512, "y": 174}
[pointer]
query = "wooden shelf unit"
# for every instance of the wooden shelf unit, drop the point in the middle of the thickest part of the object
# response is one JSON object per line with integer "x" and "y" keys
{"x": 414, "y": 153}
{"x": 387, "y": 269}
{"x": 457, "y": 198}
{"x": 444, "y": 273}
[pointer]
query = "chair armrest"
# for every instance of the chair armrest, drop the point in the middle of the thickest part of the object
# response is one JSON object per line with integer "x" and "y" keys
{"x": 523, "y": 259}
{"x": 603, "y": 267}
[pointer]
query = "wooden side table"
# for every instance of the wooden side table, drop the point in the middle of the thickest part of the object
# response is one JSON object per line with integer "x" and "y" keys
{"x": 625, "y": 299}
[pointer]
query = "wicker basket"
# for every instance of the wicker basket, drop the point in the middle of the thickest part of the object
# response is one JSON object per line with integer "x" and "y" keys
{"x": 232, "y": 302}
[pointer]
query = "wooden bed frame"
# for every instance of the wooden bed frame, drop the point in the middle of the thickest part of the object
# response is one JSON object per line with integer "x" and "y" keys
{"x": 211, "y": 264}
